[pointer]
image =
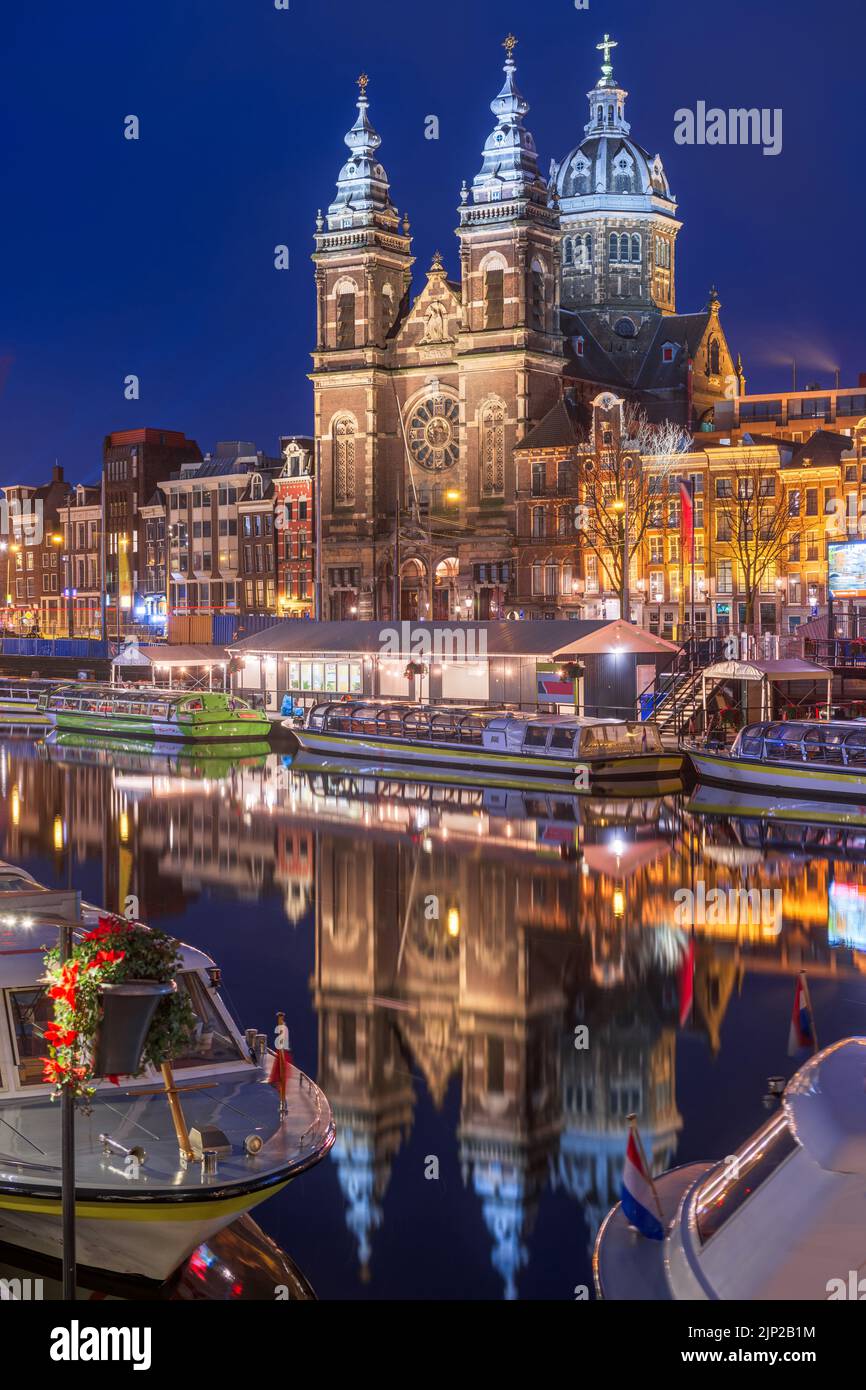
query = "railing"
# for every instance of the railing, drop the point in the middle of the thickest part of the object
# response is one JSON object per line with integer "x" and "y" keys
{"x": 673, "y": 690}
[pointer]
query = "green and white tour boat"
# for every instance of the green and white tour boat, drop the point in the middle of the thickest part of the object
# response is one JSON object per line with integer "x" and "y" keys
{"x": 187, "y": 716}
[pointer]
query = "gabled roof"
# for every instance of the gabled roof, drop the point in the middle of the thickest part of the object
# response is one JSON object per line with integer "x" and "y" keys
{"x": 687, "y": 332}
{"x": 564, "y": 426}
{"x": 594, "y": 363}
{"x": 824, "y": 448}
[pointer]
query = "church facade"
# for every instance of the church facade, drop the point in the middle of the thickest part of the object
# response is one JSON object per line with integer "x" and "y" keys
{"x": 566, "y": 288}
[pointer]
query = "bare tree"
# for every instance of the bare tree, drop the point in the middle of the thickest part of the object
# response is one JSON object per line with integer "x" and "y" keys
{"x": 625, "y": 474}
{"x": 752, "y": 519}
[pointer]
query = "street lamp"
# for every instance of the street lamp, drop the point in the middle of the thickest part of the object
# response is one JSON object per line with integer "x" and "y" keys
{"x": 620, "y": 506}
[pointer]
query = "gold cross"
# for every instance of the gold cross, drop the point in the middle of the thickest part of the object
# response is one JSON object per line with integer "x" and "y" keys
{"x": 605, "y": 46}
{"x": 362, "y": 83}
{"x": 509, "y": 44}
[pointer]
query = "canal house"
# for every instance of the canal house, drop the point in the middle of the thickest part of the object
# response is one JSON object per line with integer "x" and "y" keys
{"x": 591, "y": 667}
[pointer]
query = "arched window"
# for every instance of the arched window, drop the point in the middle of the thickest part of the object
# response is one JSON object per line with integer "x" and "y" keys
{"x": 635, "y": 248}
{"x": 344, "y": 462}
{"x": 610, "y": 115}
{"x": 494, "y": 294}
{"x": 713, "y": 357}
{"x": 536, "y": 295}
{"x": 344, "y": 294}
{"x": 493, "y": 450}
{"x": 568, "y": 250}
{"x": 588, "y": 245}
{"x": 614, "y": 246}
{"x": 600, "y": 115}
{"x": 623, "y": 248}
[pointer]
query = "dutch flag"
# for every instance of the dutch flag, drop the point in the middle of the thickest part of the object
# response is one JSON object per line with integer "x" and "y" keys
{"x": 637, "y": 1194}
{"x": 801, "y": 1034}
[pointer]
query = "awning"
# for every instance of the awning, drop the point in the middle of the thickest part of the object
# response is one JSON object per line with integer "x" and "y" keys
{"x": 779, "y": 669}
{"x": 164, "y": 654}
{"x": 617, "y": 636}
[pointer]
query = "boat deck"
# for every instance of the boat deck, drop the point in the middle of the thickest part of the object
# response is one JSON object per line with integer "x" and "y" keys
{"x": 625, "y": 1264}
{"x": 240, "y": 1104}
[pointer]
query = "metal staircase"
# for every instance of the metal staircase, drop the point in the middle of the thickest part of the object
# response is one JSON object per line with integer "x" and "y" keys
{"x": 676, "y": 694}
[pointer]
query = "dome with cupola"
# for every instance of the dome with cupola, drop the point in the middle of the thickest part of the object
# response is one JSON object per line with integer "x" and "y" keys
{"x": 608, "y": 166}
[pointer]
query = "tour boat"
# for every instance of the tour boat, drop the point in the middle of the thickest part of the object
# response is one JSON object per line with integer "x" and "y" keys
{"x": 775, "y": 1220}
{"x": 496, "y": 747}
{"x": 147, "y": 712}
{"x": 825, "y": 758}
{"x": 141, "y": 1208}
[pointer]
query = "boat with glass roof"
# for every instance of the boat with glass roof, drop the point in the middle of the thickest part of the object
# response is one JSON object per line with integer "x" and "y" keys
{"x": 489, "y": 746}
{"x": 141, "y": 1217}
{"x": 152, "y": 713}
{"x": 824, "y": 758}
{"x": 774, "y": 1220}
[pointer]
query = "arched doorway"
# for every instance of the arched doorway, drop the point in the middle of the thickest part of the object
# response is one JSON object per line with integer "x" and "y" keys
{"x": 413, "y": 590}
{"x": 446, "y": 599}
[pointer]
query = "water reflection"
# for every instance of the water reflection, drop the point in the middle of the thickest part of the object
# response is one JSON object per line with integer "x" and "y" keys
{"x": 444, "y": 947}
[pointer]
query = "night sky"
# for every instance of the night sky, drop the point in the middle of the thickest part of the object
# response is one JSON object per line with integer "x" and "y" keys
{"x": 156, "y": 257}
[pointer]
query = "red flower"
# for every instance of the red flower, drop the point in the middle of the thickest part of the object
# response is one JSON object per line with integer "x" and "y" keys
{"x": 56, "y": 1036}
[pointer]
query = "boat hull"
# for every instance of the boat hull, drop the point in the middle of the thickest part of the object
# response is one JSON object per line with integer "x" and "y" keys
{"x": 332, "y": 752}
{"x": 130, "y": 726}
{"x": 783, "y": 779}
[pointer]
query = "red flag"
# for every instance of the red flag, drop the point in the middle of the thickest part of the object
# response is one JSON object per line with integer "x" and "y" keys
{"x": 280, "y": 1069}
{"x": 687, "y": 519}
{"x": 686, "y": 981}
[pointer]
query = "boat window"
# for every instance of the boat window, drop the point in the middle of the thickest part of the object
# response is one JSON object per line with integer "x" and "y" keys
{"x": 536, "y": 735}
{"x": 417, "y": 724}
{"x": 562, "y": 740}
{"x": 364, "y": 720}
{"x": 338, "y": 720}
{"x": 783, "y": 742}
{"x": 442, "y": 727}
{"x": 193, "y": 705}
{"x": 31, "y": 1012}
{"x": 472, "y": 728}
{"x": 721, "y": 1194}
{"x": 823, "y": 746}
{"x": 750, "y": 741}
{"x": 212, "y": 1040}
{"x": 855, "y": 748}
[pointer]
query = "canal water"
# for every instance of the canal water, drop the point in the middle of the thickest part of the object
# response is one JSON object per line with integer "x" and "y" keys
{"x": 485, "y": 984}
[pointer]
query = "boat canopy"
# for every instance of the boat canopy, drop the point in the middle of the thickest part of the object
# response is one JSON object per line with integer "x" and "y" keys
{"x": 808, "y": 1161}
{"x": 837, "y": 742}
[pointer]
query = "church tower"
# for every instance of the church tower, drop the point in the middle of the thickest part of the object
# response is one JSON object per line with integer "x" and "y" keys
{"x": 618, "y": 216}
{"x": 510, "y": 348}
{"x": 363, "y": 266}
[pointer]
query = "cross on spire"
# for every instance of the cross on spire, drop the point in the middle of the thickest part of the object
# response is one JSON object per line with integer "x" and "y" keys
{"x": 605, "y": 47}
{"x": 509, "y": 43}
{"x": 363, "y": 81}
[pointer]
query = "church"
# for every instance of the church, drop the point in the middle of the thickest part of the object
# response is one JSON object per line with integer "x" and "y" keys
{"x": 566, "y": 289}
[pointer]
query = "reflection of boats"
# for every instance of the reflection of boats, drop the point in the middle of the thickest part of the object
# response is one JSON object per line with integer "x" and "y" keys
{"x": 773, "y": 1220}
{"x": 178, "y": 716}
{"x": 240, "y": 1263}
{"x": 147, "y": 1216}
{"x": 789, "y": 758}
{"x": 493, "y": 747}
{"x": 213, "y": 761}
{"x": 730, "y": 802}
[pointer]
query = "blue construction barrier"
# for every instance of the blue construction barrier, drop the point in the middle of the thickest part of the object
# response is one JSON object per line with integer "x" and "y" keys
{"x": 81, "y": 648}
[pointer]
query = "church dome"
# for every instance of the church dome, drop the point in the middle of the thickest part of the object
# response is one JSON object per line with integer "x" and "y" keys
{"x": 608, "y": 163}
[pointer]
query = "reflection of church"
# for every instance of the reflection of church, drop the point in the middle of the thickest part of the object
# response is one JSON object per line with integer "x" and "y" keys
{"x": 564, "y": 285}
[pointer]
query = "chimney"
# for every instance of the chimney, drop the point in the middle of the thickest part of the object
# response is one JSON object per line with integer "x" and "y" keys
{"x": 861, "y": 380}
{"x": 57, "y": 473}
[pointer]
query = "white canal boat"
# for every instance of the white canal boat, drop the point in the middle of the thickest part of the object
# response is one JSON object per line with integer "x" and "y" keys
{"x": 778, "y": 1219}
{"x": 487, "y": 747}
{"x": 823, "y": 758}
{"x": 141, "y": 1208}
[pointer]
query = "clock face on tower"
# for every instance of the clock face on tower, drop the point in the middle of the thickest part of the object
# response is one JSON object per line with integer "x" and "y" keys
{"x": 434, "y": 433}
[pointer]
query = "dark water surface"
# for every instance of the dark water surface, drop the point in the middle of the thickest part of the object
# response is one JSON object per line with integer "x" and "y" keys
{"x": 434, "y": 950}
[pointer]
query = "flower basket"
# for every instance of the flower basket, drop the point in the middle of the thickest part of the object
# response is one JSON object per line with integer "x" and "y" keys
{"x": 126, "y": 1014}
{"x": 116, "y": 1006}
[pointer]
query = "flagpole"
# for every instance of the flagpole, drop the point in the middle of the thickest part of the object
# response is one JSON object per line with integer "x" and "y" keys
{"x": 811, "y": 1011}
{"x": 632, "y": 1120}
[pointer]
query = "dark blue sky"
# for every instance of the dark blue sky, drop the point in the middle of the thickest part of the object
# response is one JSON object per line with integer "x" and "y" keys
{"x": 156, "y": 257}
